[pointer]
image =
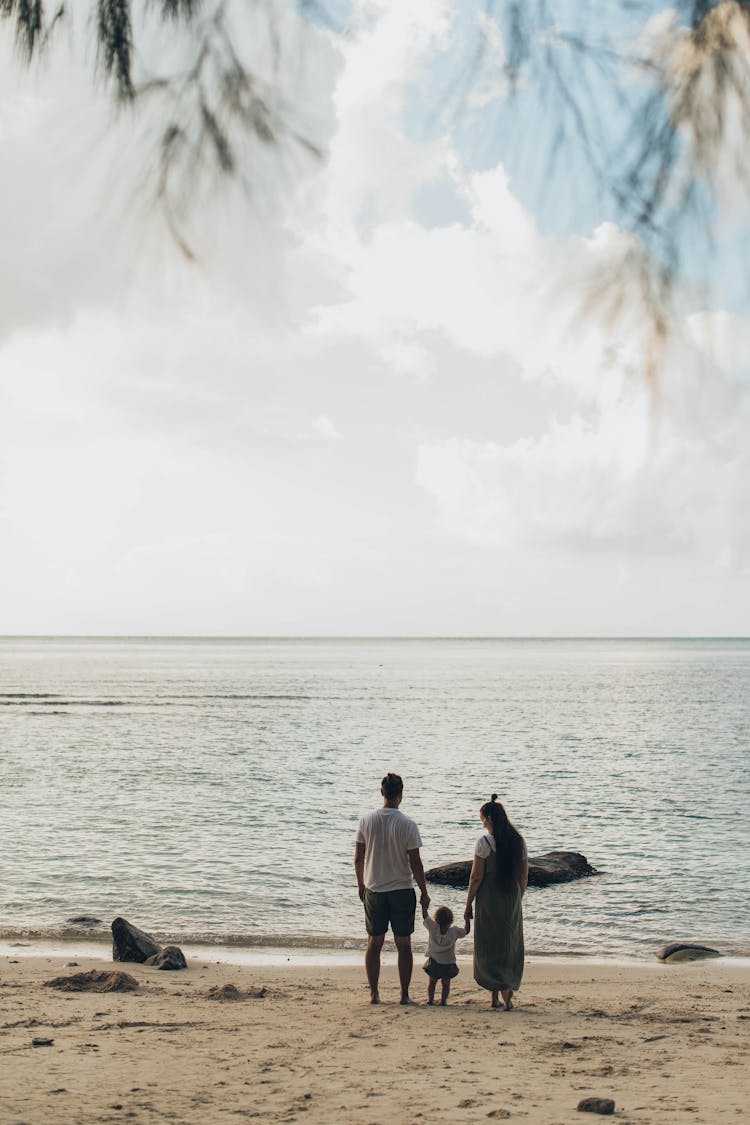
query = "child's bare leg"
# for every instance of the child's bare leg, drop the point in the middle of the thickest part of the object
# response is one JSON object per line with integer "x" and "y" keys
{"x": 431, "y": 991}
{"x": 445, "y": 992}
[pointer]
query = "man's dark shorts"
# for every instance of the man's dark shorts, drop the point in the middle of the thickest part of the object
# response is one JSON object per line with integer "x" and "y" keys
{"x": 396, "y": 907}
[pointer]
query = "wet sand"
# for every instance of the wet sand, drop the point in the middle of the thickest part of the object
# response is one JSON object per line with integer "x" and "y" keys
{"x": 669, "y": 1043}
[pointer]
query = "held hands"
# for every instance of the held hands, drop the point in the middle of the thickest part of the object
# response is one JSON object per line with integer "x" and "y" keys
{"x": 424, "y": 902}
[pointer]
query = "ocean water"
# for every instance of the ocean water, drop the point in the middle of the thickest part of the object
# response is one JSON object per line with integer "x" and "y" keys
{"x": 209, "y": 790}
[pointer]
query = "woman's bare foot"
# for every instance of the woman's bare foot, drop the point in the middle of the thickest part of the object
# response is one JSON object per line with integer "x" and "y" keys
{"x": 374, "y": 996}
{"x": 507, "y": 998}
{"x": 406, "y": 999}
{"x": 495, "y": 999}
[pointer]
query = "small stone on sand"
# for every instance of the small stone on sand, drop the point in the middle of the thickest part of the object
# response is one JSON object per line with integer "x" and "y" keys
{"x": 605, "y": 1106}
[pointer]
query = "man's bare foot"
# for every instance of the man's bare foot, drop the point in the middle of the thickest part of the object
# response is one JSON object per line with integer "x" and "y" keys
{"x": 405, "y": 999}
{"x": 374, "y": 996}
{"x": 507, "y": 998}
{"x": 443, "y": 1003}
{"x": 430, "y": 1000}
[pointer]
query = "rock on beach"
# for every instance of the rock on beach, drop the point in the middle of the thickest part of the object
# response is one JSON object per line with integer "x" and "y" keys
{"x": 170, "y": 957}
{"x": 605, "y": 1106}
{"x": 131, "y": 944}
{"x": 678, "y": 951}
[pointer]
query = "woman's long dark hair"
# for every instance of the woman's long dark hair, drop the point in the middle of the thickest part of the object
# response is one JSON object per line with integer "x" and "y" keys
{"x": 509, "y": 845}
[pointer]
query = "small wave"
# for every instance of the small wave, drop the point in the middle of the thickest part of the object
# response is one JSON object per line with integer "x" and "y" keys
{"x": 304, "y": 698}
{"x": 58, "y": 701}
{"x": 28, "y": 695}
{"x": 27, "y": 936}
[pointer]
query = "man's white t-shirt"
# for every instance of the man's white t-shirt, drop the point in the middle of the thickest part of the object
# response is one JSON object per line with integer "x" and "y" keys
{"x": 388, "y": 835}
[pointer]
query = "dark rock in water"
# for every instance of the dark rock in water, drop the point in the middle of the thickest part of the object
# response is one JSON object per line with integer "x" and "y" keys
{"x": 683, "y": 951}
{"x": 558, "y": 867}
{"x": 544, "y": 870}
{"x": 450, "y": 874}
{"x": 95, "y": 981}
{"x": 605, "y": 1106}
{"x": 170, "y": 957}
{"x": 131, "y": 944}
{"x": 87, "y": 920}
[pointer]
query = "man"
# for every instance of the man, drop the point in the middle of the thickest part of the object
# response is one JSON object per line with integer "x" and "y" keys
{"x": 387, "y": 863}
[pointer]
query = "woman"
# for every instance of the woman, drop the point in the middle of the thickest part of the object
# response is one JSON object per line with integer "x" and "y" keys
{"x": 498, "y": 879}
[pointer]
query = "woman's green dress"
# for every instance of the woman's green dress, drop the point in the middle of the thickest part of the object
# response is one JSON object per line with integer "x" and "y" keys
{"x": 498, "y": 933}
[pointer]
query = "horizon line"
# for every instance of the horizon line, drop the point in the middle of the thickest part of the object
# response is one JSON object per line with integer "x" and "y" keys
{"x": 375, "y": 636}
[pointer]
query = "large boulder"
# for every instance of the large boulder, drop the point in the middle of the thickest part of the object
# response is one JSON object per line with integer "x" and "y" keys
{"x": 558, "y": 867}
{"x": 552, "y": 867}
{"x": 131, "y": 944}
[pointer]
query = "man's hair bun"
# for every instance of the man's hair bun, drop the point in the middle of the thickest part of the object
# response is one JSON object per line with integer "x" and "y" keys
{"x": 391, "y": 786}
{"x": 493, "y": 797}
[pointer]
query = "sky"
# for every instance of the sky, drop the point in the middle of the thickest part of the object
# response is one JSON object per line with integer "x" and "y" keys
{"x": 373, "y": 404}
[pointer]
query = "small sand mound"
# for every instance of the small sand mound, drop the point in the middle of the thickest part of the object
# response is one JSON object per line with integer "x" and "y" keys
{"x": 95, "y": 981}
{"x": 232, "y": 992}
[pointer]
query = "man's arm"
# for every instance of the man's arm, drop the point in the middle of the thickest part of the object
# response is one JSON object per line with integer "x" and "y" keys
{"x": 417, "y": 871}
{"x": 359, "y": 867}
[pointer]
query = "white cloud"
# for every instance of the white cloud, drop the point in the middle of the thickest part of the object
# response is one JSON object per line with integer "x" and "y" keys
{"x": 374, "y": 169}
{"x": 325, "y": 428}
{"x": 353, "y": 420}
{"x": 632, "y": 476}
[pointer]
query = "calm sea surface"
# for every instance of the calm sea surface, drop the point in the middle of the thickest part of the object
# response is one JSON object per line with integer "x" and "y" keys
{"x": 210, "y": 790}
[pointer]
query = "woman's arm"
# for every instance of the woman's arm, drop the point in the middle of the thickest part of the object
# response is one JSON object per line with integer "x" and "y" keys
{"x": 475, "y": 882}
{"x": 523, "y": 882}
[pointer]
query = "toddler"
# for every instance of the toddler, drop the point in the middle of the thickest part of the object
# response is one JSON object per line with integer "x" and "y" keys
{"x": 441, "y": 950}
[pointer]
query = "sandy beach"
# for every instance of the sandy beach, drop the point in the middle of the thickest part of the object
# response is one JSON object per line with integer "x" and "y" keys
{"x": 667, "y": 1042}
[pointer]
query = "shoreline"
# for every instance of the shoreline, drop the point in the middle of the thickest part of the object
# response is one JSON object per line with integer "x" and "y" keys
{"x": 281, "y": 954}
{"x": 278, "y": 1043}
